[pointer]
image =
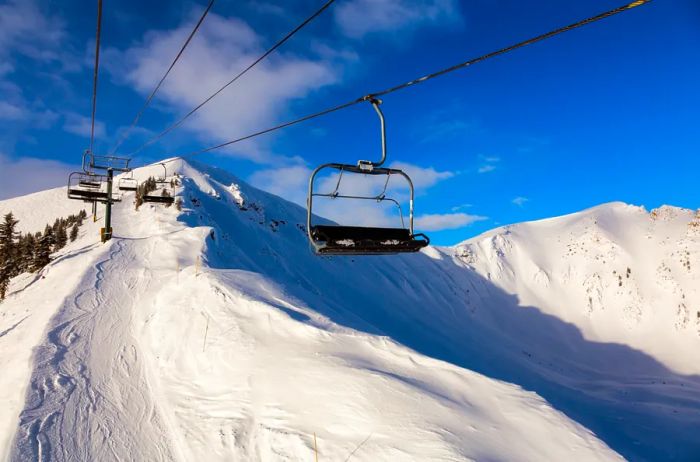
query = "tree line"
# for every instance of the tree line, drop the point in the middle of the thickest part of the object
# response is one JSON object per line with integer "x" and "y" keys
{"x": 31, "y": 252}
{"x": 150, "y": 185}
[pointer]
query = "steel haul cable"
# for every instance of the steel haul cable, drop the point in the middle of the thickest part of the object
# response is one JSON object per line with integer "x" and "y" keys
{"x": 97, "y": 67}
{"x": 428, "y": 76}
{"x": 125, "y": 134}
{"x": 239, "y": 75}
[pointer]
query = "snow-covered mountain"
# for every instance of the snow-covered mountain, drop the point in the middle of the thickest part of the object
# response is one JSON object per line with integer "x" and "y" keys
{"x": 214, "y": 334}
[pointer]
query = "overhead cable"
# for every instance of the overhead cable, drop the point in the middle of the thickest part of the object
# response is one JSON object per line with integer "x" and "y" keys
{"x": 96, "y": 71}
{"x": 125, "y": 134}
{"x": 239, "y": 75}
{"x": 427, "y": 77}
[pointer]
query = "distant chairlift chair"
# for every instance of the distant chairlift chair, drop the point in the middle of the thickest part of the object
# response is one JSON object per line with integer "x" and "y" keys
{"x": 89, "y": 187}
{"x": 164, "y": 195}
{"x": 91, "y": 162}
{"x": 356, "y": 240}
{"x": 128, "y": 183}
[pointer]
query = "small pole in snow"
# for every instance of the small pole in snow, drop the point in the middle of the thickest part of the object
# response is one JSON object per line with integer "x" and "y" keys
{"x": 196, "y": 266}
{"x": 204, "y": 344}
{"x": 315, "y": 447}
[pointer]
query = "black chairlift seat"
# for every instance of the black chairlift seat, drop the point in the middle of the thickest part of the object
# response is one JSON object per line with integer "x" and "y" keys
{"x": 87, "y": 195}
{"x": 88, "y": 187}
{"x": 158, "y": 199}
{"x": 357, "y": 240}
{"x": 90, "y": 184}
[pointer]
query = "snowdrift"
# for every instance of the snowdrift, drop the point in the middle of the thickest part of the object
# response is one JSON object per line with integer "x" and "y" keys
{"x": 214, "y": 334}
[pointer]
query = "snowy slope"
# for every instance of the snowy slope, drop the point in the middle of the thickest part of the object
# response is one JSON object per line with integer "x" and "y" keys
{"x": 35, "y": 211}
{"x": 214, "y": 334}
{"x": 619, "y": 273}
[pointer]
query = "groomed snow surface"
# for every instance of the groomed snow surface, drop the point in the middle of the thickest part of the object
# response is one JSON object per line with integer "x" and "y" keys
{"x": 214, "y": 334}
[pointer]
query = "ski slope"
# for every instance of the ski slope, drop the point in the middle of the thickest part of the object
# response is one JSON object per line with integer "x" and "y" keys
{"x": 214, "y": 334}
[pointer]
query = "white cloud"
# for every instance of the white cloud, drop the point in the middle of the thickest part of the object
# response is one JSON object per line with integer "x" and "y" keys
{"x": 287, "y": 182}
{"x": 422, "y": 177}
{"x": 27, "y": 30}
{"x": 489, "y": 164}
{"x": 457, "y": 208}
{"x": 27, "y": 174}
{"x": 520, "y": 201}
{"x": 357, "y": 18}
{"x": 221, "y": 49}
{"x": 9, "y": 111}
{"x": 80, "y": 125}
{"x": 438, "y": 222}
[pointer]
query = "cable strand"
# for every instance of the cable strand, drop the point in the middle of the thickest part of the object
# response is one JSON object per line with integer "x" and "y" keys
{"x": 125, "y": 134}
{"x": 239, "y": 75}
{"x": 427, "y": 77}
{"x": 96, "y": 72}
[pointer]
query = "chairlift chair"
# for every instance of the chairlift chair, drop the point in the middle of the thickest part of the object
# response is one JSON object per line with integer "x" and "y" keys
{"x": 357, "y": 240}
{"x": 159, "y": 199}
{"x": 128, "y": 184}
{"x": 164, "y": 178}
{"x": 166, "y": 195}
{"x": 91, "y": 162}
{"x": 89, "y": 187}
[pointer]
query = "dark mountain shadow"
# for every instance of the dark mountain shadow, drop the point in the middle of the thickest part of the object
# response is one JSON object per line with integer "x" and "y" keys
{"x": 444, "y": 310}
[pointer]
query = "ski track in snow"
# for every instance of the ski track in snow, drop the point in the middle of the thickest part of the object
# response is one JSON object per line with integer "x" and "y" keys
{"x": 88, "y": 388}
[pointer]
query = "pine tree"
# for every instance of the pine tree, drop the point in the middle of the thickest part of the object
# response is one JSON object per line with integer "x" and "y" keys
{"x": 74, "y": 232}
{"x": 42, "y": 252}
{"x": 27, "y": 245}
{"x": 9, "y": 264}
{"x": 61, "y": 237}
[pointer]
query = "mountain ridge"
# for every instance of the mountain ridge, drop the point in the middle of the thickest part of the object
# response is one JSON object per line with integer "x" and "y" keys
{"x": 394, "y": 347}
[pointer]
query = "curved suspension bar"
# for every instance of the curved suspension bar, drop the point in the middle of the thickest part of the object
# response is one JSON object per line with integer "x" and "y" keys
{"x": 368, "y": 165}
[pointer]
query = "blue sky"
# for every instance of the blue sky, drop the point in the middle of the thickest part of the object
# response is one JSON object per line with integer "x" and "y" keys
{"x": 603, "y": 113}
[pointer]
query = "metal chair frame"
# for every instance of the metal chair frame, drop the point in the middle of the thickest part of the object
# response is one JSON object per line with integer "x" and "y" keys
{"x": 91, "y": 162}
{"x": 81, "y": 187}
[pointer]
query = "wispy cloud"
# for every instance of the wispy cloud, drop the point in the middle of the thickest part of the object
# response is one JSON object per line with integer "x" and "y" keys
{"x": 422, "y": 177}
{"x": 81, "y": 125}
{"x": 457, "y": 208}
{"x": 520, "y": 201}
{"x": 27, "y": 175}
{"x": 438, "y": 222}
{"x": 26, "y": 29}
{"x": 358, "y": 18}
{"x": 222, "y": 48}
{"x": 489, "y": 163}
{"x": 9, "y": 111}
